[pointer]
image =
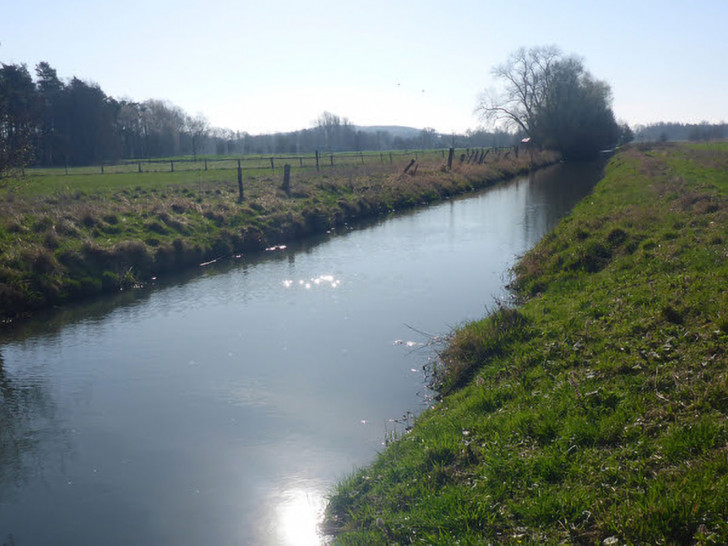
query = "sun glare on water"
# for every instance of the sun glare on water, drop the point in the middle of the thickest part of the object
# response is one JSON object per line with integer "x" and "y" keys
{"x": 298, "y": 516}
{"x": 325, "y": 280}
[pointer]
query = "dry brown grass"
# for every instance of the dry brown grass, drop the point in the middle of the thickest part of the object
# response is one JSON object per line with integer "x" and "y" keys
{"x": 82, "y": 243}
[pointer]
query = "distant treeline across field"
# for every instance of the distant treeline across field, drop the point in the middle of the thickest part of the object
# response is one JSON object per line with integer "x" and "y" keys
{"x": 48, "y": 122}
{"x": 45, "y": 121}
{"x": 663, "y": 132}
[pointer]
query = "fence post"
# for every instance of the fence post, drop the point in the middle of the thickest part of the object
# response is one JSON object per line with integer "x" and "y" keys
{"x": 240, "y": 182}
{"x": 272, "y": 165}
{"x": 287, "y": 179}
{"x": 317, "y": 160}
{"x": 102, "y": 168}
{"x": 332, "y": 159}
{"x": 390, "y": 157}
{"x": 171, "y": 166}
{"x": 300, "y": 161}
{"x": 139, "y": 167}
{"x": 361, "y": 154}
{"x": 450, "y": 154}
{"x": 205, "y": 164}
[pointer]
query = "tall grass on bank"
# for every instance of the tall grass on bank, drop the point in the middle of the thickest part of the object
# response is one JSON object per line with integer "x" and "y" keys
{"x": 64, "y": 238}
{"x": 596, "y": 411}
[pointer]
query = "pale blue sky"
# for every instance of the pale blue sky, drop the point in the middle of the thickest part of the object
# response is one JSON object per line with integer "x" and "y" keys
{"x": 277, "y": 65}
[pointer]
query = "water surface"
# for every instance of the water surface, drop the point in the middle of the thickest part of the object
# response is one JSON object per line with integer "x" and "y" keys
{"x": 222, "y": 407}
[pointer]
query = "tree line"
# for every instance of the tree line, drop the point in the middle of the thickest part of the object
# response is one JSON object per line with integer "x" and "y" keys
{"x": 332, "y": 133}
{"x": 46, "y": 121}
{"x": 665, "y": 131}
{"x": 547, "y": 98}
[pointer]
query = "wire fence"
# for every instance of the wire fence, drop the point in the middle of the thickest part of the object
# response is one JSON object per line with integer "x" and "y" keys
{"x": 317, "y": 160}
{"x": 313, "y": 161}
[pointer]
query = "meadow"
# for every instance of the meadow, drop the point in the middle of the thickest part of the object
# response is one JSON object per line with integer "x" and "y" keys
{"x": 66, "y": 237}
{"x": 592, "y": 409}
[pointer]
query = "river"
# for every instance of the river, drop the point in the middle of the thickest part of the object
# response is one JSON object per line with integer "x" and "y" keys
{"x": 222, "y": 407}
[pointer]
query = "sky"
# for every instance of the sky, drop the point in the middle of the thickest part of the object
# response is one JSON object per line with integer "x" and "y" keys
{"x": 263, "y": 67}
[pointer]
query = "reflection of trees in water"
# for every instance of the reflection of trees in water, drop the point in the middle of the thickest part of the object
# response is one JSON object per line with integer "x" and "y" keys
{"x": 553, "y": 192}
{"x": 26, "y": 418}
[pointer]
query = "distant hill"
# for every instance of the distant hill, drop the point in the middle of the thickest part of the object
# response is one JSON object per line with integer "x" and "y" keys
{"x": 394, "y": 130}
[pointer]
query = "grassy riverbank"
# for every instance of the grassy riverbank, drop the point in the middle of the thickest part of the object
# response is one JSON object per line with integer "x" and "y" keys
{"x": 68, "y": 237}
{"x": 595, "y": 411}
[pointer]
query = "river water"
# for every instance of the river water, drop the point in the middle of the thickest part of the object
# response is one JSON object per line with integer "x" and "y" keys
{"x": 221, "y": 408}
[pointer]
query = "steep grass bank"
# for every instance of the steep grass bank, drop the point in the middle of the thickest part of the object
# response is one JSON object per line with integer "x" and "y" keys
{"x": 65, "y": 238}
{"x": 595, "y": 411}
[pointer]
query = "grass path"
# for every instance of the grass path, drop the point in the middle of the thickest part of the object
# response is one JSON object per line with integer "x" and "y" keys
{"x": 595, "y": 411}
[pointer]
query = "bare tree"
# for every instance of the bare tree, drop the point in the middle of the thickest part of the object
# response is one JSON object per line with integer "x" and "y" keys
{"x": 527, "y": 77}
{"x": 553, "y": 100}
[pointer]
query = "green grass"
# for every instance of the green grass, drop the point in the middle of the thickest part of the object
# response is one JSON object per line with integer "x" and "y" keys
{"x": 252, "y": 164}
{"x": 68, "y": 237}
{"x": 595, "y": 410}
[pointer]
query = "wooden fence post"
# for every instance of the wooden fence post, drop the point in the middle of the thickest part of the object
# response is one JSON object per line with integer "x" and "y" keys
{"x": 139, "y": 167}
{"x": 171, "y": 166}
{"x": 287, "y": 179}
{"x": 450, "y": 155}
{"x": 408, "y": 167}
{"x": 272, "y": 165}
{"x": 361, "y": 154}
{"x": 240, "y": 182}
{"x": 102, "y": 168}
{"x": 332, "y": 159}
{"x": 317, "y": 160}
{"x": 205, "y": 164}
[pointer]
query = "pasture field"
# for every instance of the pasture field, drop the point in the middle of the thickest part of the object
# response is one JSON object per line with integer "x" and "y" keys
{"x": 251, "y": 164}
{"x": 64, "y": 237}
{"x": 595, "y": 409}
